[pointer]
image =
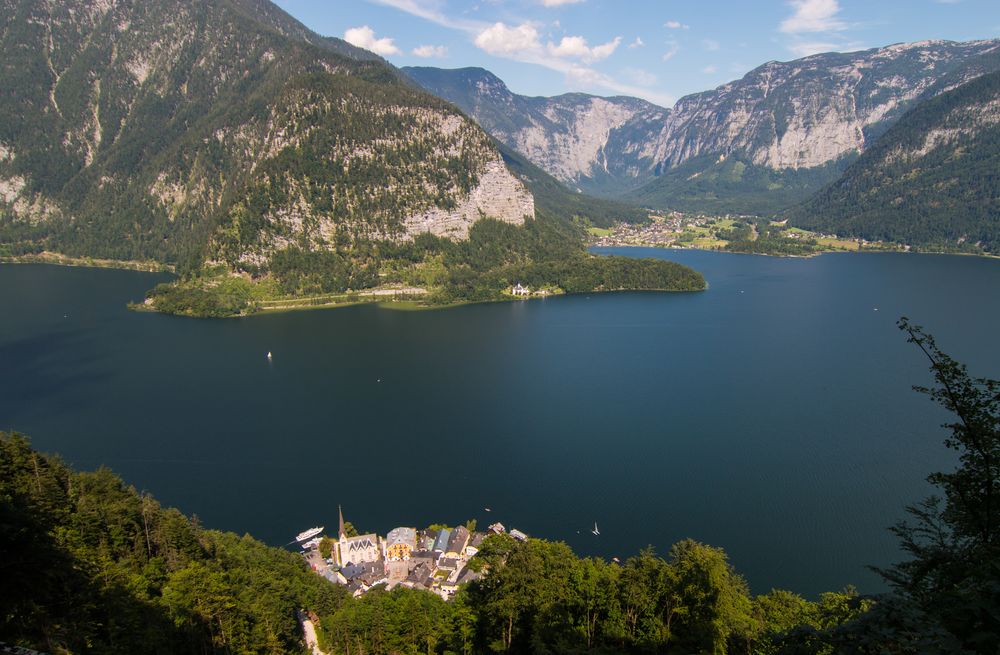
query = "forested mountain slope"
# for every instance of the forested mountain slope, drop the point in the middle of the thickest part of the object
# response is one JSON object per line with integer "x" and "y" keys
{"x": 755, "y": 145}
{"x": 932, "y": 180}
{"x": 223, "y": 130}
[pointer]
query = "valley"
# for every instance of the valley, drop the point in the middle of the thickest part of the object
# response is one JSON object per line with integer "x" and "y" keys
{"x": 744, "y": 429}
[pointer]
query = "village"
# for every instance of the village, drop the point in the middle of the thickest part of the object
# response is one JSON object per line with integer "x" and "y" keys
{"x": 702, "y": 232}
{"x": 436, "y": 559}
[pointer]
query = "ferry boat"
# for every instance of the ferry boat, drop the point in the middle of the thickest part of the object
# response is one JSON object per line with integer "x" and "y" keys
{"x": 312, "y": 543}
{"x": 311, "y": 532}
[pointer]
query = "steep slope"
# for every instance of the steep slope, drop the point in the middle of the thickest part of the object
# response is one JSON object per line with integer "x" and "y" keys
{"x": 586, "y": 141}
{"x": 756, "y": 145}
{"x": 932, "y": 180}
{"x": 223, "y": 129}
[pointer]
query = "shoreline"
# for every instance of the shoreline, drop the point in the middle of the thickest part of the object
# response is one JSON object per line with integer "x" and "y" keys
{"x": 58, "y": 259}
{"x": 874, "y": 251}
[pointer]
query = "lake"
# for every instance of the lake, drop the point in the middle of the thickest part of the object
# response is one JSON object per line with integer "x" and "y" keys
{"x": 771, "y": 415}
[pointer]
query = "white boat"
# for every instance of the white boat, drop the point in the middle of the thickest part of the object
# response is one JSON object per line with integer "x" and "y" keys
{"x": 269, "y": 354}
{"x": 595, "y": 531}
{"x": 311, "y": 532}
{"x": 312, "y": 543}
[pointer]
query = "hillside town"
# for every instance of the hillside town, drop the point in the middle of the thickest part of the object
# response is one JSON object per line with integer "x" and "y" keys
{"x": 435, "y": 559}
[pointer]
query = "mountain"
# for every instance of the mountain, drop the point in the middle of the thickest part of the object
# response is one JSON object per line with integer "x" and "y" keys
{"x": 586, "y": 141}
{"x": 270, "y": 164}
{"x": 931, "y": 180}
{"x": 223, "y": 130}
{"x": 755, "y": 145}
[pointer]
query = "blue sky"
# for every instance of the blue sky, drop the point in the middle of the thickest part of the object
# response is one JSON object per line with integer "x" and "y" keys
{"x": 655, "y": 49}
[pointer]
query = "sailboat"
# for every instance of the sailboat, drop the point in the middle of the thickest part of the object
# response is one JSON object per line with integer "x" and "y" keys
{"x": 269, "y": 354}
{"x": 595, "y": 531}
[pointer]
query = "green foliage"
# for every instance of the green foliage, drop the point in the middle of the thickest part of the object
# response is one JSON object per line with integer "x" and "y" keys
{"x": 551, "y": 197}
{"x": 224, "y": 296}
{"x": 400, "y": 621}
{"x": 251, "y": 117}
{"x": 731, "y": 186}
{"x": 762, "y": 238}
{"x": 92, "y": 566}
{"x": 946, "y": 597}
{"x": 912, "y": 187}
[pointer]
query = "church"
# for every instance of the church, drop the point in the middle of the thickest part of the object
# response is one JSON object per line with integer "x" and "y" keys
{"x": 356, "y": 550}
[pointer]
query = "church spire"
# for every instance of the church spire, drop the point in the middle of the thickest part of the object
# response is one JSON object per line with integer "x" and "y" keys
{"x": 342, "y": 533}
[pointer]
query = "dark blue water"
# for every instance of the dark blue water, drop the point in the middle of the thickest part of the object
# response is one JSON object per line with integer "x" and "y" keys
{"x": 771, "y": 415}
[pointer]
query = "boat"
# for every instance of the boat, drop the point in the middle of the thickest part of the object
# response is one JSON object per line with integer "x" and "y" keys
{"x": 312, "y": 543}
{"x": 311, "y": 532}
{"x": 595, "y": 531}
{"x": 269, "y": 354}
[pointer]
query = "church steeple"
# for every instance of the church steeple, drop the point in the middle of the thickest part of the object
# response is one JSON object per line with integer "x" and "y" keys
{"x": 342, "y": 533}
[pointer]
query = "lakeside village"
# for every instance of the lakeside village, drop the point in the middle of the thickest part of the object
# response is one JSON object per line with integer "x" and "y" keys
{"x": 435, "y": 559}
{"x": 678, "y": 230}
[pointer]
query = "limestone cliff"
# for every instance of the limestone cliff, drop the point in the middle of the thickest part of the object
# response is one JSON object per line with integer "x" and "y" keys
{"x": 223, "y": 130}
{"x": 790, "y": 126}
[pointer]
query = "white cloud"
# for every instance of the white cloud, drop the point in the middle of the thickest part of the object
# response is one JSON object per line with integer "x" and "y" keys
{"x": 638, "y": 43}
{"x": 559, "y": 3}
{"x": 576, "y": 46}
{"x": 430, "y": 10}
{"x": 674, "y": 48}
{"x": 364, "y": 37}
{"x": 710, "y": 44}
{"x": 675, "y": 25}
{"x": 429, "y": 51}
{"x": 709, "y": 70}
{"x": 522, "y": 43}
{"x": 500, "y": 39}
{"x": 813, "y": 16}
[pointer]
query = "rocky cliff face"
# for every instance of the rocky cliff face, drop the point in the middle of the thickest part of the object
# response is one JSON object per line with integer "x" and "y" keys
{"x": 783, "y": 120}
{"x": 222, "y": 129}
{"x": 575, "y": 137}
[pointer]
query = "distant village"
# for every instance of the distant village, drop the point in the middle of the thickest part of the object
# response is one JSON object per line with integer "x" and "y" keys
{"x": 435, "y": 560}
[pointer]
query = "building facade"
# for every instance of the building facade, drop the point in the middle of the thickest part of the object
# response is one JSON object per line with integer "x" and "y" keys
{"x": 400, "y": 544}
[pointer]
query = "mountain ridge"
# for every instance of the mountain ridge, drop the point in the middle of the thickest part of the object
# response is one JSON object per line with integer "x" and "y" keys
{"x": 793, "y": 126}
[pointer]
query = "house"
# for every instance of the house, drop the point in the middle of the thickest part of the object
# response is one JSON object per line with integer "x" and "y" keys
{"x": 468, "y": 575}
{"x": 425, "y": 539}
{"x": 519, "y": 290}
{"x": 421, "y": 577}
{"x": 400, "y": 544}
{"x": 419, "y": 557}
{"x": 448, "y": 564}
{"x": 497, "y": 528}
{"x": 517, "y": 534}
{"x": 441, "y": 543}
{"x": 457, "y": 542}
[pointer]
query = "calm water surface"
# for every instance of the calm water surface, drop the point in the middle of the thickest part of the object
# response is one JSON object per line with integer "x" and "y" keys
{"x": 771, "y": 415}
